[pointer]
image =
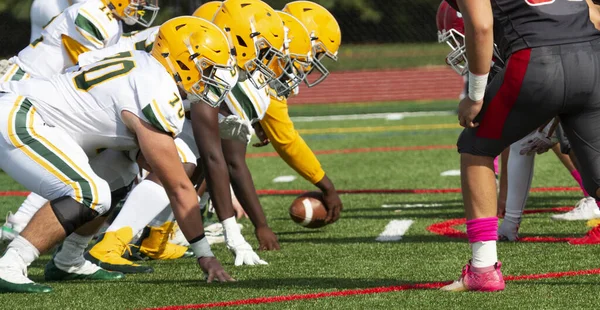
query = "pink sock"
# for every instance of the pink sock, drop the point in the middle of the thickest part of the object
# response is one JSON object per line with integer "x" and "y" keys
{"x": 577, "y": 178}
{"x": 483, "y": 234}
{"x": 496, "y": 171}
{"x": 483, "y": 229}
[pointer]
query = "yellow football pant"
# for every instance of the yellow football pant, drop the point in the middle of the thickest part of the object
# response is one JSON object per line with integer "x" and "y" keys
{"x": 287, "y": 142}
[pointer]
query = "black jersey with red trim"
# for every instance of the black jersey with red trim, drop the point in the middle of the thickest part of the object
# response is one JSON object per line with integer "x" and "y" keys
{"x": 535, "y": 23}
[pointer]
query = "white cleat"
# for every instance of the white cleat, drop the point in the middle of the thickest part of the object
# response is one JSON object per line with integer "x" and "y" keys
{"x": 585, "y": 209}
{"x": 11, "y": 228}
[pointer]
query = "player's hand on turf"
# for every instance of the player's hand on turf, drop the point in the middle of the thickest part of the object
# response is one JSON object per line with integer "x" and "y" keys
{"x": 261, "y": 135}
{"x": 333, "y": 204}
{"x": 244, "y": 254}
{"x": 267, "y": 240}
{"x": 213, "y": 270}
{"x": 467, "y": 111}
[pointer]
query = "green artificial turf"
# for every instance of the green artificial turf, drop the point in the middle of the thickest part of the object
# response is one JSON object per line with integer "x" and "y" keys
{"x": 345, "y": 255}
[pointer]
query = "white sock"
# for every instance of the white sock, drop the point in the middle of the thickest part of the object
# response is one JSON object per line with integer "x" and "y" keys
{"x": 144, "y": 203}
{"x": 484, "y": 254}
{"x": 520, "y": 174}
{"x": 71, "y": 252}
{"x": 164, "y": 216}
{"x": 29, "y": 207}
{"x": 23, "y": 249}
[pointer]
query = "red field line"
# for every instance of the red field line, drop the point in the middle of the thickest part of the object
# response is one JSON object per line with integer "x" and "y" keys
{"x": 365, "y": 150}
{"x": 368, "y": 291}
{"x": 447, "y": 228}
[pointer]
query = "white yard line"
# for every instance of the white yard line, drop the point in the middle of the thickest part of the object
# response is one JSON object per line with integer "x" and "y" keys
{"x": 394, "y": 230}
{"x": 389, "y": 116}
{"x": 414, "y": 205}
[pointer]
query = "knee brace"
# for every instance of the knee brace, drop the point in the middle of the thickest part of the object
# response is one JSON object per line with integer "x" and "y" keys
{"x": 71, "y": 214}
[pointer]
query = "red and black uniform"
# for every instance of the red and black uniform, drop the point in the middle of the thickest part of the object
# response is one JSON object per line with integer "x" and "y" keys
{"x": 552, "y": 69}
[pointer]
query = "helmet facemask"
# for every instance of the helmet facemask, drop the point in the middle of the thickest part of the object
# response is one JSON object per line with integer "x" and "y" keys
{"x": 266, "y": 56}
{"x": 141, "y": 12}
{"x": 210, "y": 88}
{"x": 457, "y": 58}
{"x": 318, "y": 69}
{"x": 293, "y": 68}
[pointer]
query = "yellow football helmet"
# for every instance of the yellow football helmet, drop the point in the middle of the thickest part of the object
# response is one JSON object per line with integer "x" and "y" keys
{"x": 208, "y": 10}
{"x": 193, "y": 49}
{"x": 297, "y": 58}
{"x": 324, "y": 30}
{"x": 142, "y": 12}
{"x": 257, "y": 35}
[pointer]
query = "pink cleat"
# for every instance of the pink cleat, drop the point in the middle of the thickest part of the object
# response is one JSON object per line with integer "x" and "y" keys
{"x": 592, "y": 237}
{"x": 488, "y": 279}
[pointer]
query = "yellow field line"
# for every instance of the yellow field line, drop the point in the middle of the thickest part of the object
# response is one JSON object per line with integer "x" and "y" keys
{"x": 378, "y": 128}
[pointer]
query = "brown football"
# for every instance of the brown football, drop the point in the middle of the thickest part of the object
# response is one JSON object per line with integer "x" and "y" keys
{"x": 309, "y": 210}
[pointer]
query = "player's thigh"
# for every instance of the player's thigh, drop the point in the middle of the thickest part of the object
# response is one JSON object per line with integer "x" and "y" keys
{"x": 115, "y": 168}
{"x": 525, "y": 95}
{"x": 46, "y": 160}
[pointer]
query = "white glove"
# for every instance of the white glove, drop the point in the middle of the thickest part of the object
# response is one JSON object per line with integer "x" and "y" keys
{"x": 243, "y": 252}
{"x": 234, "y": 128}
{"x": 538, "y": 142}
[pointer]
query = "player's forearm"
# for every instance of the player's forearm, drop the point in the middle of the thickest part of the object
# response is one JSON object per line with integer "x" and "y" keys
{"x": 217, "y": 181}
{"x": 184, "y": 203}
{"x": 479, "y": 37}
{"x": 242, "y": 183}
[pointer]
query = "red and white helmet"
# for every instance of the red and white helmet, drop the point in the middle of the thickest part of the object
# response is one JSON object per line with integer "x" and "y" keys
{"x": 451, "y": 29}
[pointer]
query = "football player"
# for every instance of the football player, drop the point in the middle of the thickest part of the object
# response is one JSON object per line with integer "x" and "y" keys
{"x": 517, "y": 102}
{"x": 129, "y": 99}
{"x": 85, "y": 26}
{"x": 520, "y": 163}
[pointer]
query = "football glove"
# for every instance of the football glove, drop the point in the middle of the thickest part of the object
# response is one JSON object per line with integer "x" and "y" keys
{"x": 234, "y": 128}
{"x": 538, "y": 142}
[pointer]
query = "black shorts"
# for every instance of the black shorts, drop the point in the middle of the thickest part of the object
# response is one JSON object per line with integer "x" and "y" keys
{"x": 536, "y": 85}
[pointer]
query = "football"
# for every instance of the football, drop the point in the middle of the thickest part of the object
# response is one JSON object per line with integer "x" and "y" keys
{"x": 309, "y": 210}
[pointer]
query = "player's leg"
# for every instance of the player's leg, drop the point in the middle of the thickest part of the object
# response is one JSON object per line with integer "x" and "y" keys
{"x": 16, "y": 222}
{"x": 68, "y": 263}
{"x": 143, "y": 204}
{"x": 47, "y": 161}
{"x": 520, "y": 174}
{"x": 587, "y": 207}
{"x": 512, "y": 109}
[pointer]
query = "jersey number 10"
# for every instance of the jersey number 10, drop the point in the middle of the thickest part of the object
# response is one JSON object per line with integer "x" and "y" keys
{"x": 121, "y": 66}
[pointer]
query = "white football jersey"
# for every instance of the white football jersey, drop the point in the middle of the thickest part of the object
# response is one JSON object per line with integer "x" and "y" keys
{"x": 88, "y": 103}
{"x": 42, "y": 11}
{"x": 247, "y": 102}
{"x": 85, "y": 26}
